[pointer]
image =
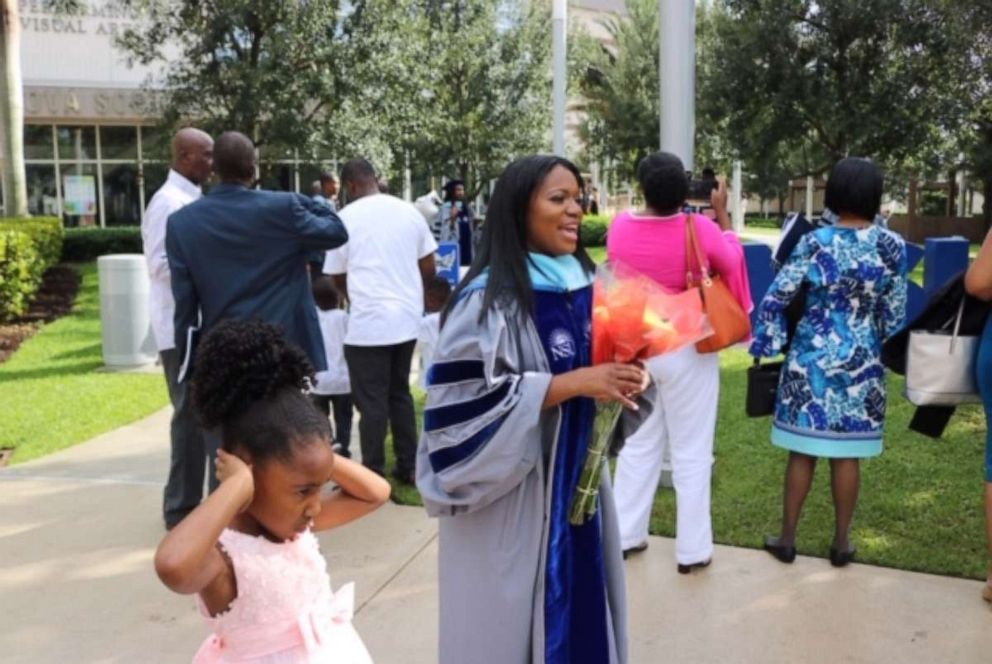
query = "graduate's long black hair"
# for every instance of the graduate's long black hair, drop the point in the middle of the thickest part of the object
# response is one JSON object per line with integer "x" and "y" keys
{"x": 503, "y": 248}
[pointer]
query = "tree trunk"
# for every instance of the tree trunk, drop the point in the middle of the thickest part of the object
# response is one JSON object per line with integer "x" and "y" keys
{"x": 12, "y": 111}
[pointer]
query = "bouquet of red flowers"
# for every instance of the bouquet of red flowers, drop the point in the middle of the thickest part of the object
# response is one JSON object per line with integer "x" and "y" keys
{"x": 633, "y": 318}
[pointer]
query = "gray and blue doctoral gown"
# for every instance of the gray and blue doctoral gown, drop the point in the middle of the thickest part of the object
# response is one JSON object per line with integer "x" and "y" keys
{"x": 518, "y": 584}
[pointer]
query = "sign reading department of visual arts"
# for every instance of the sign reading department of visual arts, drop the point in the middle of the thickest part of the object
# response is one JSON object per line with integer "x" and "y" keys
{"x": 79, "y": 194}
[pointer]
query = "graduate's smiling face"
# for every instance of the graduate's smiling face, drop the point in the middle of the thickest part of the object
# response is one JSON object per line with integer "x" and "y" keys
{"x": 555, "y": 214}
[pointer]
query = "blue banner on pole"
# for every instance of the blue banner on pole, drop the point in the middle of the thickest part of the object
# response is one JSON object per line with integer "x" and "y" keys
{"x": 446, "y": 260}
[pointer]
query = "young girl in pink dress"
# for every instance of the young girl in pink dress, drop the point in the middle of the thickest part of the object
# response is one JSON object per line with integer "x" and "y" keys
{"x": 248, "y": 551}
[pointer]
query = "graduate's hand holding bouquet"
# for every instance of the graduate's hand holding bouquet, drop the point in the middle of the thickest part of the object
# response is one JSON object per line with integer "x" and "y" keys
{"x": 633, "y": 318}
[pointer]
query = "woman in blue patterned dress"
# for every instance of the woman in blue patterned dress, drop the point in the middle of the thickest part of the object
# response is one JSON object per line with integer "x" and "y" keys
{"x": 831, "y": 393}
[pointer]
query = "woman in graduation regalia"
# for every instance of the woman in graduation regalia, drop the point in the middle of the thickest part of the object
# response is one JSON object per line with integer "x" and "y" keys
{"x": 510, "y": 406}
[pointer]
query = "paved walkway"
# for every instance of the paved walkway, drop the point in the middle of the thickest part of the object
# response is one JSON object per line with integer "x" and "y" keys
{"x": 78, "y": 530}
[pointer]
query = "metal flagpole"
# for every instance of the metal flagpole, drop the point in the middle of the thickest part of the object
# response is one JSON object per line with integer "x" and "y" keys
{"x": 558, "y": 35}
{"x": 677, "y": 75}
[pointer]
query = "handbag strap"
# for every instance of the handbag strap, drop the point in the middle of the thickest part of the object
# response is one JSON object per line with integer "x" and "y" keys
{"x": 957, "y": 324}
{"x": 692, "y": 250}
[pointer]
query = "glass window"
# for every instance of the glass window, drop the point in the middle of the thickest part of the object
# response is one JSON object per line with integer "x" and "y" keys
{"x": 155, "y": 145}
{"x": 76, "y": 143}
{"x": 310, "y": 173}
{"x": 118, "y": 143}
{"x": 121, "y": 202}
{"x": 80, "y": 204}
{"x": 42, "y": 194}
{"x": 154, "y": 175}
{"x": 38, "y": 142}
{"x": 276, "y": 177}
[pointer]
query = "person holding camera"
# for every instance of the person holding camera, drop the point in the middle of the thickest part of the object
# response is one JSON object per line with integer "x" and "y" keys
{"x": 455, "y": 219}
{"x": 654, "y": 243}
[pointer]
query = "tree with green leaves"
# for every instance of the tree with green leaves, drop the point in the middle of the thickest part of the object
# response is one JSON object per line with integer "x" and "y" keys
{"x": 969, "y": 86}
{"x": 489, "y": 94}
{"x": 619, "y": 89}
{"x": 268, "y": 69}
{"x": 384, "y": 55}
{"x": 803, "y": 83}
{"x": 457, "y": 87}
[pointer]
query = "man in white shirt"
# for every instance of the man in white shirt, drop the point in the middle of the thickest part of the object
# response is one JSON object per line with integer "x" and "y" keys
{"x": 382, "y": 270}
{"x": 192, "y": 162}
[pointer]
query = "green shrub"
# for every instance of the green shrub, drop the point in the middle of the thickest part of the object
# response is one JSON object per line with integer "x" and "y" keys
{"x": 28, "y": 247}
{"x": 46, "y": 234}
{"x": 87, "y": 244}
{"x": 593, "y": 230}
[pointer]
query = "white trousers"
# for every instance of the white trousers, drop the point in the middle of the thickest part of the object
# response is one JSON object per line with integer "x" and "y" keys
{"x": 684, "y": 419}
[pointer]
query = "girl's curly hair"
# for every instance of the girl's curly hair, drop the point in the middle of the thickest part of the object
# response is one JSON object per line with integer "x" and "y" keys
{"x": 249, "y": 380}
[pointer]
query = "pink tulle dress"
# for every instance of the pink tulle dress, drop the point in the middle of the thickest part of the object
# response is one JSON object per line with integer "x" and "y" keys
{"x": 284, "y": 612}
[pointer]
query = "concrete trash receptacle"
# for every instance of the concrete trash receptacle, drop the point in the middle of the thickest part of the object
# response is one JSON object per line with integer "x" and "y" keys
{"x": 124, "y": 318}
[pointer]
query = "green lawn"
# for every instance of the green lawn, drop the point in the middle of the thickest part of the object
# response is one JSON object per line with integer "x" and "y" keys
{"x": 920, "y": 507}
{"x": 404, "y": 494}
{"x": 762, "y": 230}
{"x": 52, "y": 394}
{"x": 921, "y": 501}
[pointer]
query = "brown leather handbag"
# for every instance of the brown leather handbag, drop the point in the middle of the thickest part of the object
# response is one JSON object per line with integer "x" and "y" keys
{"x": 730, "y": 322}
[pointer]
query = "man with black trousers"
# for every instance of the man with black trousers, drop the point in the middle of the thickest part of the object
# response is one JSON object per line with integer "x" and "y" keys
{"x": 192, "y": 162}
{"x": 382, "y": 271}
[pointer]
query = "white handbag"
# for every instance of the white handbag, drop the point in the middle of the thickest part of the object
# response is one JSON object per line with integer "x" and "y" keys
{"x": 940, "y": 366}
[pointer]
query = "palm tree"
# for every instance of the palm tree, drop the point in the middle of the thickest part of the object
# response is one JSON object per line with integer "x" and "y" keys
{"x": 12, "y": 111}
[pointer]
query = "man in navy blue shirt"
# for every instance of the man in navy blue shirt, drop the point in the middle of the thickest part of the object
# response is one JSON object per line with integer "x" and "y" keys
{"x": 241, "y": 253}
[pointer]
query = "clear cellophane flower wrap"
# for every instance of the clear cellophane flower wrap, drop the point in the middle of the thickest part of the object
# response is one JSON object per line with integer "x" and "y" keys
{"x": 633, "y": 318}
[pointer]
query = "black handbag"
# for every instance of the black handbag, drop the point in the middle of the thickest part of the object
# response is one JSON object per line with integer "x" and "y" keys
{"x": 762, "y": 385}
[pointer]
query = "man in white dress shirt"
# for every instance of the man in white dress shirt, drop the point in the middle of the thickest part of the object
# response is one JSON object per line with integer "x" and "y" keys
{"x": 192, "y": 163}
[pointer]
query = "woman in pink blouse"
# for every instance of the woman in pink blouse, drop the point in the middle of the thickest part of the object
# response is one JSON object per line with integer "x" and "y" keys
{"x": 653, "y": 242}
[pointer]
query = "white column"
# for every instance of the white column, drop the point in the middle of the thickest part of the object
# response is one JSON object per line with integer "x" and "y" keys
{"x": 296, "y": 174}
{"x": 809, "y": 197}
{"x": 738, "y": 194}
{"x": 407, "y": 178}
{"x": 558, "y": 49}
{"x": 677, "y": 74}
{"x": 595, "y": 183}
{"x": 962, "y": 179}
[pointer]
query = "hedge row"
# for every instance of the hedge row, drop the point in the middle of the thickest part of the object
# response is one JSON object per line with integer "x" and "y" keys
{"x": 28, "y": 247}
{"x": 86, "y": 244}
{"x": 593, "y": 230}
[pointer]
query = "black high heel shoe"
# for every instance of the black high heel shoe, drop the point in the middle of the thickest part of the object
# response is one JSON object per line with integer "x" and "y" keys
{"x": 686, "y": 569}
{"x": 785, "y": 554}
{"x": 842, "y": 558}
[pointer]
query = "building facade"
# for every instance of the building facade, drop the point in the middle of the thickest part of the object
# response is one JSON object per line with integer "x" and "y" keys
{"x": 93, "y": 154}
